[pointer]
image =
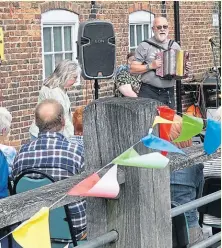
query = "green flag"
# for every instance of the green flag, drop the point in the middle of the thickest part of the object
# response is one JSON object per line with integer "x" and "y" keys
{"x": 191, "y": 126}
{"x": 131, "y": 158}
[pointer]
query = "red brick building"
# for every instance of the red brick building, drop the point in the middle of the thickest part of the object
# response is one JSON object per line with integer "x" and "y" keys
{"x": 38, "y": 34}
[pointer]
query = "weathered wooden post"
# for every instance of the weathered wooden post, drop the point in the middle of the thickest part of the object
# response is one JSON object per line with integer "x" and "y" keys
{"x": 141, "y": 215}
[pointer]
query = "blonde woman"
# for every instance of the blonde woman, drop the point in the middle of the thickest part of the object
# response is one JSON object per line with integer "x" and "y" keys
{"x": 55, "y": 87}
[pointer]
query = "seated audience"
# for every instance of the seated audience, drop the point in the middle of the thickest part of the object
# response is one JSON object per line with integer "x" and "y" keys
{"x": 7, "y": 152}
{"x": 126, "y": 84}
{"x": 52, "y": 153}
{"x": 186, "y": 185}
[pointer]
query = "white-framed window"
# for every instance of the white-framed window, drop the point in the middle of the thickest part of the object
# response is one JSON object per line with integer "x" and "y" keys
{"x": 140, "y": 28}
{"x": 59, "y": 36}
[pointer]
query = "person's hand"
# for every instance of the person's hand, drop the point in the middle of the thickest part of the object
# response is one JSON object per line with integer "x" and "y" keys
{"x": 156, "y": 64}
{"x": 188, "y": 66}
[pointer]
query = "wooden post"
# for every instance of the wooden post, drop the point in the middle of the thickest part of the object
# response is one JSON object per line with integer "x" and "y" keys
{"x": 141, "y": 215}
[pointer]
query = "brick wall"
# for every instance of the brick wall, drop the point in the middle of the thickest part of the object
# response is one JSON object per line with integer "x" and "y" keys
{"x": 21, "y": 72}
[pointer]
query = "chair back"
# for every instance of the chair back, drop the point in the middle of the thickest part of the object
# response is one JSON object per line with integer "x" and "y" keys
{"x": 211, "y": 185}
{"x": 180, "y": 230}
{"x": 59, "y": 218}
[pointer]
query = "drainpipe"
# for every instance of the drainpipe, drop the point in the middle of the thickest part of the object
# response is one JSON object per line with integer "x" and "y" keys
{"x": 177, "y": 39}
{"x": 163, "y": 8}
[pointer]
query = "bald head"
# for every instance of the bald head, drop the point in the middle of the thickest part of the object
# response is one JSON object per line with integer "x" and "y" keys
{"x": 49, "y": 116}
{"x": 160, "y": 29}
{"x": 159, "y": 20}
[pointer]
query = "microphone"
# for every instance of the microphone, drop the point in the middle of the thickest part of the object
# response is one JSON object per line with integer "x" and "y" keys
{"x": 210, "y": 39}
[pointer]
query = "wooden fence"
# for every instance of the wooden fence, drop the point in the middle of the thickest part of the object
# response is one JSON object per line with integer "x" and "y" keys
{"x": 141, "y": 214}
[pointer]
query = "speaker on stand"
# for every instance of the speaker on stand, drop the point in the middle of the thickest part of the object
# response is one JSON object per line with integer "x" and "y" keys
{"x": 96, "y": 51}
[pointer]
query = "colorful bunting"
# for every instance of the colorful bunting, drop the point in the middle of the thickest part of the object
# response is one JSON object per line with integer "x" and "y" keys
{"x": 164, "y": 129}
{"x": 35, "y": 231}
{"x": 85, "y": 185}
{"x": 152, "y": 160}
{"x": 157, "y": 143}
{"x": 212, "y": 140}
{"x": 129, "y": 153}
{"x": 191, "y": 126}
{"x": 160, "y": 120}
{"x": 107, "y": 186}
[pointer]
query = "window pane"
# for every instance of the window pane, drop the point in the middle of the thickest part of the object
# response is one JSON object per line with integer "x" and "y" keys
{"x": 58, "y": 58}
{"x": 139, "y": 33}
{"x": 68, "y": 56}
{"x": 132, "y": 40}
{"x": 47, "y": 39}
{"x": 57, "y": 32}
{"x": 67, "y": 38}
{"x": 132, "y": 49}
{"x": 48, "y": 65}
{"x": 146, "y": 31}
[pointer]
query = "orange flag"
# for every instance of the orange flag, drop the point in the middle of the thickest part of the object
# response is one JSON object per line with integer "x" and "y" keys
{"x": 168, "y": 114}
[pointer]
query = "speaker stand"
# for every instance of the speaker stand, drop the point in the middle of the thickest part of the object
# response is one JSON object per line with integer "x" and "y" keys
{"x": 96, "y": 87}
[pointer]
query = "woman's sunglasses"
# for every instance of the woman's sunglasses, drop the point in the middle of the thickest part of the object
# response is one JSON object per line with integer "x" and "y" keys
{"x": 159, "y": 27}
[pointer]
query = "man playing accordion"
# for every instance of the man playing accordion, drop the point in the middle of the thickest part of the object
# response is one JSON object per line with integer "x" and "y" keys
{"x": 146, "y": 63}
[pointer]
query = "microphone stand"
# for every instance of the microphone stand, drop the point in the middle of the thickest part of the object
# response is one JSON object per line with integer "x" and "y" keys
{"x": 217, "y": 73}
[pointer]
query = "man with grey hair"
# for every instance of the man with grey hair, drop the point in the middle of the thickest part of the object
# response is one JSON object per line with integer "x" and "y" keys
{"x": 146, "y": 63}
{"x": 53, "y": 154}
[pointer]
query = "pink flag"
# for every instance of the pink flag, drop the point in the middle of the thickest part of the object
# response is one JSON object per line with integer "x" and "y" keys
{"x": 107, "y": 186}
{"x": 85, "y": 185}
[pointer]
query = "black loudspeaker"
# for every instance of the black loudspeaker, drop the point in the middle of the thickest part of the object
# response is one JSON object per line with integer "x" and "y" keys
{"x": 96, "y": 50}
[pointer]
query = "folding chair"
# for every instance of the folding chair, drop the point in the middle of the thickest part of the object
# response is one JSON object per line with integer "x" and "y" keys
{"x": 61, "y": 229}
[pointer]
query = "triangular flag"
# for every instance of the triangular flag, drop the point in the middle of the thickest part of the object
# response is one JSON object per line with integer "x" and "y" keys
{"x": 212, "y": 139}
{"x": 160, "y": 120}
{"x": 34, "y": 232}
{"x": 191, "y": 126}
{"x": 107, "y": 186}
{"x": 152, "y": 160}
{"x": 157, "y": 143}
{"x": 85, "y": 185}
{"x": 129, "y": 153}
{"x": 164, "y": 129}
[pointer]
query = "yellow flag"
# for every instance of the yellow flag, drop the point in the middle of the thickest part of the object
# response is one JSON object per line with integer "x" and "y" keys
{"x": 34, "y": 233}
{"x": 159, "y": 119}
{"x": 1, "y": 44}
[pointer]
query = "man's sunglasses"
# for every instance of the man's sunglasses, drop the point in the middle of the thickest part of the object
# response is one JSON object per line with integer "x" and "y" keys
{"x": 162, "y": 27}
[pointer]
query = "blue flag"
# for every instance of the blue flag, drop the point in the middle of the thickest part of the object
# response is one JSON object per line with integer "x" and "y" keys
{"x": 157, "y": 143}
{"x": 212, "y": 140}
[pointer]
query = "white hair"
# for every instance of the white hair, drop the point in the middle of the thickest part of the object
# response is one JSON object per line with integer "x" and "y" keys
{"x": 5, "y": 121}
